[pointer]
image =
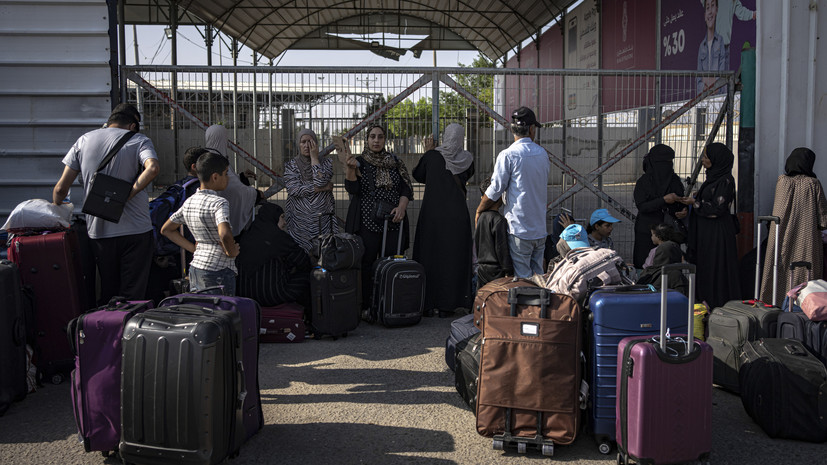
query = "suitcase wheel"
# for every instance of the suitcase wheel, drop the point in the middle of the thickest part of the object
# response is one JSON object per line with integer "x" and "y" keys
{"x": 604, "y": 447}
{"x": 522, "y": 447}
{"x": 498, "y": 444}
{"x": 548, "y": 449}
{"x": 57, "y": 378}
{"x": 620, "y": 460}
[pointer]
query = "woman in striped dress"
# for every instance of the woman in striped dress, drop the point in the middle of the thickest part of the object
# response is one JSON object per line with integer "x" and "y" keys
{"x": 309, "y": 191}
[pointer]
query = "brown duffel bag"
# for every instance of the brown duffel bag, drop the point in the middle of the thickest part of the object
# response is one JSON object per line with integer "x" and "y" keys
{"x": 530, "y": 368}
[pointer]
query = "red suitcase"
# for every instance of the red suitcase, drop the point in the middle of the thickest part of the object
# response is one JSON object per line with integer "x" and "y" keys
{"x": 664, "y": 394}
{"x": 50, "y": 264}
{"x": 282, "y": 323}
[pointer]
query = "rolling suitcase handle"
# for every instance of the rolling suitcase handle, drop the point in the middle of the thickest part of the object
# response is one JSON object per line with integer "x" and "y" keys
{"x": 777, "y": 221}
{"x": 535, "y": 296}
{"x": 795, "y": 265}
{"x": 385, "y": 238}
{"x": 664, "y": 287}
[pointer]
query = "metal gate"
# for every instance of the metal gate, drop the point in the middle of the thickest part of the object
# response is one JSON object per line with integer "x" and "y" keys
{"x": 598, "y": 124}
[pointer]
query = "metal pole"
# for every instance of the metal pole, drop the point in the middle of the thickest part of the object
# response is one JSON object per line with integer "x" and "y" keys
{"x": 657, "y": 67}
{"x": 730, "y": 111}
{"x": 138, "y": 92}
{"x": 173, "y": 16}
{"x": 271, "y": 123}
{"x": 121, "y": 79}
{"x": 435, "y": 105}
{"x": 234, "y": 44}
{"x": 208, "y": 41}
{"x": 255, "y": 111}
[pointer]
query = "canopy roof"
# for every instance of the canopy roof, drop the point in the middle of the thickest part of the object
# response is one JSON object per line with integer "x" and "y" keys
{"x": 389, "y": 27}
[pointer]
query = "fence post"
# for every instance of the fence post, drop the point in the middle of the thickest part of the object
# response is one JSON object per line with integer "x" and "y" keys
{"x": 435, "y": 105}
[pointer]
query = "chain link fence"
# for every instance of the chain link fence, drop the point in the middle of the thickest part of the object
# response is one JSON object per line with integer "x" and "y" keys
{"x": 598, "y": 124}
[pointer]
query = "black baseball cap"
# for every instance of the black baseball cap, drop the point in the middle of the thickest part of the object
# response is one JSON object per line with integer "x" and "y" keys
{"x": 523, "y": 116}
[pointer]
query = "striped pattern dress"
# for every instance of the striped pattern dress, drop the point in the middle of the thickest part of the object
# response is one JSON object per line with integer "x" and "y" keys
{"x": 304, "y": 204}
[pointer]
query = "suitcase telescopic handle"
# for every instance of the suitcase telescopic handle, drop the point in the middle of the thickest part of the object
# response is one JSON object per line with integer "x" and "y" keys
{"x": 385, "y": 237}
{"x": 322, "y": 215}
{"x": 795, "y": 265}
{"x": 664, "y": 287}
{"x": 758, "y": 221}
{"x": 534, "y": 296}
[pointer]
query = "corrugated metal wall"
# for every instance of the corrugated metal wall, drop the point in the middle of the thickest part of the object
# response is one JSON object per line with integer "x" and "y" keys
{"x": 55, "y": 84}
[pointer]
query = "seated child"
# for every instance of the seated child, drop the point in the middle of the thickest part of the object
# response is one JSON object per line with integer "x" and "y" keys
{"x": 206, "y": 214}
{"x": 667, "y": 252}
{"x": 661, "y": 233}
{"x": 491, "y": 243}
{"x": 600, "y": 228}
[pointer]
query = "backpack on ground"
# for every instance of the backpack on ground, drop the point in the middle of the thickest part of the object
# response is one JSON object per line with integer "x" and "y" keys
{"x": 162, "y": 207}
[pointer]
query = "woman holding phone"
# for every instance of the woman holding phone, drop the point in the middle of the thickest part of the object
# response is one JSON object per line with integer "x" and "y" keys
{"x": 380, "y": 187}
{"x": 307, "y": 178}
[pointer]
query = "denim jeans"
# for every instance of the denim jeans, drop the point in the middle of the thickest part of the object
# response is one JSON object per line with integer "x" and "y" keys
{"x": 527, "y": 255}
{"x": 203, "y": 279}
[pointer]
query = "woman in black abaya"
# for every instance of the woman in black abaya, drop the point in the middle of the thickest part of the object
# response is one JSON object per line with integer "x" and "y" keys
{"x": 711, "y": 244}
{"x": 443, "y": 239}
{"x": 656, "y": 192}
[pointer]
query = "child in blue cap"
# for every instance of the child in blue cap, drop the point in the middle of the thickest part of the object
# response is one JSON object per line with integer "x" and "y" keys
{"x": 600, "y": 228}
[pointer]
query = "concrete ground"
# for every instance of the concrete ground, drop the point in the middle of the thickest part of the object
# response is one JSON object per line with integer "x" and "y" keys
{"x": 379, "y": 396}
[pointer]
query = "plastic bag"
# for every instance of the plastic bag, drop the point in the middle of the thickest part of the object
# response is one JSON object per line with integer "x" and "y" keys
{"x": 39, "y": 214}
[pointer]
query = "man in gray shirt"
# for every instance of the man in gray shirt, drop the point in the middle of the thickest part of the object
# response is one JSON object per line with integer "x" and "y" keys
{"x": 123, "y": 250}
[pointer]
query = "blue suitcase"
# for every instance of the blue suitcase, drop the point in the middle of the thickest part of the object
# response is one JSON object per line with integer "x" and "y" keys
{"x": 461, "y": 331}
{"x": 618, "y": 312}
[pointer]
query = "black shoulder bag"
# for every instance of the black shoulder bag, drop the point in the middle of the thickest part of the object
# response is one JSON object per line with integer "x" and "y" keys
{"x": 107, "y": 195}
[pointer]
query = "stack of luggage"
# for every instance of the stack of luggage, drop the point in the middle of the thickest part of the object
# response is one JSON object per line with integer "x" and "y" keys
{"x": 335, "y": 284}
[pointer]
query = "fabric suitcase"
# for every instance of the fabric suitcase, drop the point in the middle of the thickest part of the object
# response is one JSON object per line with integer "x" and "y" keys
{"x": 398, "y": 288}
{"x": 738, "y": 322}
{"x": 467, "y": 374}
{"x": 461, "y": 331}
{"x": 496, "y": 293}
{"x": 664, "y": 393}
{"x": 13, "y": 386}
{"x": 340, "y": 251}
{"x": 530, "y": 370}
{"x": 50, "y": 265}
{"x": 812, "y": 334}
{"x": 282, "y": 323}
{"x": 335, "y": 302}
{"x": 96, "y": 379}
{"x": 784, "y": 389}
{"x": 250, "y": 313}
{"x": 182, "y": 386}
{"x": 618, "y": 312}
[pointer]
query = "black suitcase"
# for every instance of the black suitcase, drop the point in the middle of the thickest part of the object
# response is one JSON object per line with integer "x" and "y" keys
{"x": 738, "y": 322}
{"x": 398, "y": 288}
{"x": 182, "y": 386}
{"x": 467, "y": 374}
{"x": 784, "y": 389}
{"x": 13, "y": 386}
{"x": 461, "y": 331}
{"x": 335, "y": 302}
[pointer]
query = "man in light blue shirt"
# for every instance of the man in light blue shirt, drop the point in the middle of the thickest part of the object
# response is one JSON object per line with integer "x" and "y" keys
{"x": 521, "y": 173}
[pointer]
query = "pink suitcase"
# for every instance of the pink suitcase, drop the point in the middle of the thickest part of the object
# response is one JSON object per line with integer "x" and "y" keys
{"x": 664, "y": 394}
{"x": 50, "y": 264}
{"x": 282, "y": 323}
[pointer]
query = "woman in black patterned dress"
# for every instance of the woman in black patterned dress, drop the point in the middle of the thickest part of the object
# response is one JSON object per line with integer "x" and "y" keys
{"x": 307, "y": 178}
{"x": 379, "y": 184}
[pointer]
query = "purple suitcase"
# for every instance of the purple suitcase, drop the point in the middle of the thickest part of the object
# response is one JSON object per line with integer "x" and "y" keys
{"x": 664, "y": 394}
{"x": 96, "y": 380}
{"x": 250, "y": 313}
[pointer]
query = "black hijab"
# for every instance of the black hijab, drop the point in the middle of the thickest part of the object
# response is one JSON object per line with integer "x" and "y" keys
{"x": 658, "y": 168}
{"x": 264, "y": 240}
{"x": 722, "y": 160}
{"x": 800, "y": 161}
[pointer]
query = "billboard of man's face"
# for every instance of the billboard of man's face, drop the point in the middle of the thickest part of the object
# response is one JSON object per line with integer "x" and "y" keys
{"x": 710, "y": 13}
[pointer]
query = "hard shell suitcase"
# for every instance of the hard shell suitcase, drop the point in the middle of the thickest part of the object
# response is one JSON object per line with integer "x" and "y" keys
{"x": 618, "y": 312}
{"x": 530, "y": 370}
{"x": 664, "y": 393}
{"x": 12, "y": 337}
{"x": 467, "y": 374}
{"x": 182, "y": 386}
{"x": 461, "y": 331}
{"x": 738, "y": 322}
{"x": 335, "y": 302}
{"x": 96, "y": 379}
{"x": 250, "y": 313}
{"x": 784, "y": 389}
{"x": 398, "y": 288}
{"x": 50, "y": 265}
{"x": 282, "y": 323}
